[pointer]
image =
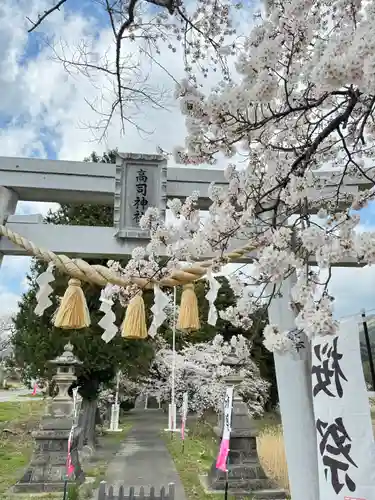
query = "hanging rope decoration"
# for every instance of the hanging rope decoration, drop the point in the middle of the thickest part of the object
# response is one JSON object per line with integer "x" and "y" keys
{"x": 73, "y": 312}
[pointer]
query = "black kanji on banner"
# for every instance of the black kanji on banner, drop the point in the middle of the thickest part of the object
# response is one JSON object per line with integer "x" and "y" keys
{"x": 335, "y": 446}
{"x": 328, "y": 370}
{"x": 226, "y": 412}
{"x": 140, "y": 203}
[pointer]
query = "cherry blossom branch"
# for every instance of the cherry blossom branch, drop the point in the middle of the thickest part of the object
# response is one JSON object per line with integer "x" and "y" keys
{"x": 43, "y": 16}
{"x": 200, "y": 33}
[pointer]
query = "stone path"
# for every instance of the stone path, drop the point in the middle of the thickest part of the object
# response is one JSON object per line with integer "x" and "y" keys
{"x": 143, "y": 459}
{"x": 16, "y": 395}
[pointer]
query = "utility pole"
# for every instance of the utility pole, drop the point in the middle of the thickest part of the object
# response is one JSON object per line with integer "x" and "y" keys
{"x": 368, "y": 346}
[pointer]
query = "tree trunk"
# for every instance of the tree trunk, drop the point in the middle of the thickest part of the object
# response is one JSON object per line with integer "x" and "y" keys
{"x": 87, "y": 423}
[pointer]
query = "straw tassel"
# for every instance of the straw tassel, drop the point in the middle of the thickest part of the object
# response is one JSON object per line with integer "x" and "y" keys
{"x": 134, "y": 325}
{"x": 188, "y": 318}
{"x": 73, "y": 313}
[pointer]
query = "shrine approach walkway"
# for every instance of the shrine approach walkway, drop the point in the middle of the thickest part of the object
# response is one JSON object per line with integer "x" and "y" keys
{"x": 143, "y": 459}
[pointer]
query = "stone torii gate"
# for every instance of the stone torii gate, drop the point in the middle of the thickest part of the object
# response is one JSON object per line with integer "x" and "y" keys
{"x": 106, "y": 184}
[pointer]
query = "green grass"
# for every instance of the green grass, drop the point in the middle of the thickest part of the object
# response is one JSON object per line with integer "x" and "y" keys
{"x": 38, "y": 395}
{"x": 19, "y": 412}
{"x": 200, "y": 451}
{"x": 16, "y": 446}
{"x": 13, "y": 385}
{"x": 17, "y": 420}
{"x": 201, "y": 447}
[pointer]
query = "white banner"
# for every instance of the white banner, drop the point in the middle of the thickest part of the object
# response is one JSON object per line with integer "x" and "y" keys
{"x": 228, "y": 403}
{"x": 184, "y": 413}
{"x": 221, "y": 462}
{"x": 185, "y": 405}
{"x": 172, "y": 417}
{"x": 345, "y": 441}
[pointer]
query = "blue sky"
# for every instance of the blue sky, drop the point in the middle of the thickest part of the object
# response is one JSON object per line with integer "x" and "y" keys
{"x": 44, "y": 112}
{"x": 368, "y": 215}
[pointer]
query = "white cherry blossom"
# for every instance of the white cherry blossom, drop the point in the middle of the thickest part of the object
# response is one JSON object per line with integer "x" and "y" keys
{"x": 200, "y": 372}
{"x": 302, "y": 102}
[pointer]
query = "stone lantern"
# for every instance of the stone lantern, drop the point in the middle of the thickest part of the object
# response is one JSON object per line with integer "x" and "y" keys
{"x": 245, "y": 474}
{"x": 46, "y": 471}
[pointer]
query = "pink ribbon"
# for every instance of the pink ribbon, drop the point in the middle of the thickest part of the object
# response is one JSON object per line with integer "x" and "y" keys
{"x": 182, "y": 430}
{"x": 221, "y": 462}
{"x": 34, "y": 391}
{"x": 69, "y": 464}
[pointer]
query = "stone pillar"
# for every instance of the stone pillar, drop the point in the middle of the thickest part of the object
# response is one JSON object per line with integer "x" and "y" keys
{"x": 47, "y": 469}
{"x": 245, "y": 474}
{"x": 115, "y": 418}
{"x": 8, "y": 203}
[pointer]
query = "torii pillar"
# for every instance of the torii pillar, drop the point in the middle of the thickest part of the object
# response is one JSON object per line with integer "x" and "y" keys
{"x": 296, "y": 405}
{"x": 8, "y": 204}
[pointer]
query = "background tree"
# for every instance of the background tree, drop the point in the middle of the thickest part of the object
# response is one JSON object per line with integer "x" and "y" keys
{"x": 225, "y": 298}
{"x": 6, "y": 330}
{"x": 199, "y": 371}
{"x": 36, "y": 340}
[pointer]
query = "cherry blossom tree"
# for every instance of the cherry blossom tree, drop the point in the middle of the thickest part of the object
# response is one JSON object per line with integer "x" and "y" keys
{"x": 302, "y": 104}
{"x": 6, "y": 331}
{"x": 129, "y": 389}
{"x": 200, "y": 373}
{"x": 6, "y": 362}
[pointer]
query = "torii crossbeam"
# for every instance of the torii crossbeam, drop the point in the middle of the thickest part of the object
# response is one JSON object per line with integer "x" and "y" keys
{"x": 31, "y": 179}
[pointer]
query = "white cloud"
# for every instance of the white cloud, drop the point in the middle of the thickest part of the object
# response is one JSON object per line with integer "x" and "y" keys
{"x": 353, "y": 289}
{"x": 40, "y": 93}
{"x": 35, "y": 207}
{"x": 8, "y": 302}
{"x": 43, "y": 95}
{"x": 13, "y": 273}
{"x": 15, "y": 265}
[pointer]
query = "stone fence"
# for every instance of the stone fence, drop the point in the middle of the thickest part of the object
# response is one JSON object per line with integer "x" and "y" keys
{"x": 110, "y": 495}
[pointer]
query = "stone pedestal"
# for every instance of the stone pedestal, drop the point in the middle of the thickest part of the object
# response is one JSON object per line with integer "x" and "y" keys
{"x": 245, "y": 474}
{"x": 46, "y": 471}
